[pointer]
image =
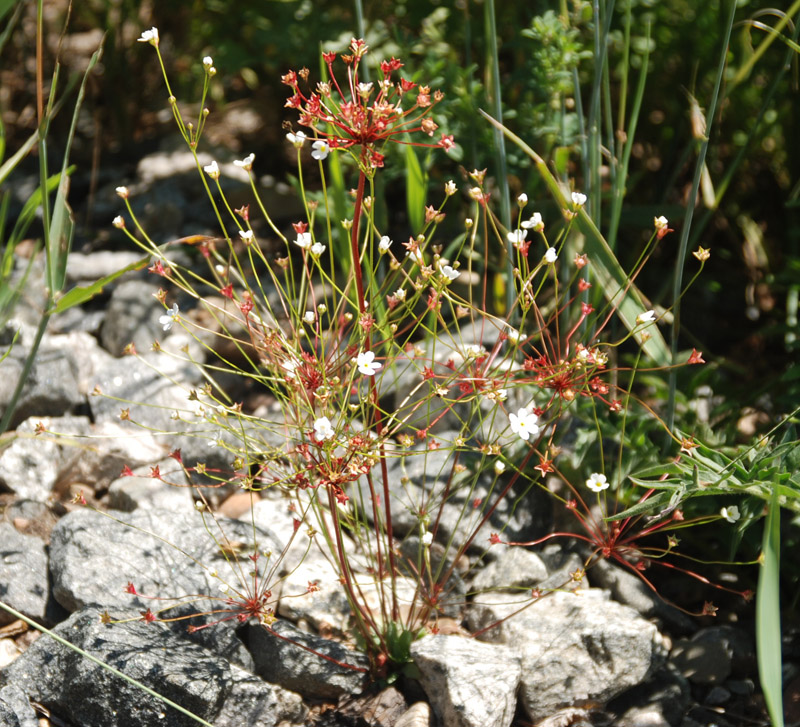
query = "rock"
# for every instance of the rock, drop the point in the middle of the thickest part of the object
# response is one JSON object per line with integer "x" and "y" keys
{"x": 50, "y": 388}
{"x": 83, "y": 269}
{"x": 514, "y": 568}
{"x": 574, "y": 646}
{"x": 662, "y": 700}
{"x": 8, "y": 651}
{"x": 16, "y": 699}
{"x": 255, "y": 703}
{"x": 132, "y": 317}
{"x": 7, "y": 715}
{"x": 167, "y": 492}
{"x": 627, "y": 588}
{"x": 418, "y": 715}
{"x": 469, "y": 683}
{"x": 164, "y": 554}
{"x": 522, "y": 515}
{"x": 561, "y": 563}
{"x": 32, "y": 464}
{"x": 86, "y": 694}
{"x": 327, "y": 674}
{"x": 384, "y": 709}
{"x": 23, "y": 574}
{"x": 703, "y": 662}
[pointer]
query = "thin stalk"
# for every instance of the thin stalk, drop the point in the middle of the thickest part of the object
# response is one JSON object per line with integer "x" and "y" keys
{"x": 500, "y": 149}
{"x": 687, "y": 220}
{"x": 107, "y": 667}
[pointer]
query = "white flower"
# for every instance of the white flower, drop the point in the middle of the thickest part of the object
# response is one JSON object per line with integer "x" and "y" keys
{"x": 320, "y": 149}
{"x": 212, "y": 170}
{"x": 168, "y": 319}
{"x": 660, "y": 223}
{"x": 450, "y": 188}
{"x": 416, "y": 256}
{"x": 208, "y": 61}
{"x": 323, "y": 429}
{"x": 309, "y": 317}
{"x": 149, "y": 36}
{"x": 303, "y": 240}
{"x": 317, "y": 249}
{"x": 524, "y": 423}
{"x": 597, "y": 482}
{"x": 364, "y": 89}
{"x": 475, "y": 350}
{"x": 646, "y": 317}
{"x": 427, "y": 539}
{"x": 512, "y": 334}
{"x": 122, "y": 192}
{"x": 119, "y": 222}
{"x": 534, "y": 223}
{"x": 448, "y": 272}
{"x": 550, "y": 256}
{"x": 731, "y": 514}
{"x": 298, "y": 138}
{"x": 517, "y": 237}
{"x": 384, "y": 244}
{"x": 367, "y": 364}
{"x": 246, "y": 163}
{"x": 522, "y": 200}
{"x": 400, "y": 294}
{"x": 499, "y": 467}
{"x": 247, "y": 236}
{"x": 578, "y": 199}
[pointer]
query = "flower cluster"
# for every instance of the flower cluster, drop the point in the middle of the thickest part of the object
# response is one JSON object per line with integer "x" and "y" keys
{"x": 362, "y": 114}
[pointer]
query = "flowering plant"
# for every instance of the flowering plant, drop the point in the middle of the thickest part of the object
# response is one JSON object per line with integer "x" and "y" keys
{"x": 413, "y": 420}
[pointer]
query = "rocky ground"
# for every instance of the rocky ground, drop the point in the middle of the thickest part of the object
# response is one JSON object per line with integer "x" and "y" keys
{"x": 608, "y": 652}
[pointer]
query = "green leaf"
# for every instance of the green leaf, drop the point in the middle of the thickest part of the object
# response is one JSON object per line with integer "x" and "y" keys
{"x": 768, "y": 614}
{"x": 62, "y": 225}
{"x": 415, "y": 191}
{"x": 610, "y": 276}
{"x": 18, "y": 156}
{"x": 80, "y": 294}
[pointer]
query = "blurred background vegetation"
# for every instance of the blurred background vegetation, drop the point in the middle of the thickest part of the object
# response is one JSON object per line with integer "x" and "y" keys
{"x": 741, "y": 313}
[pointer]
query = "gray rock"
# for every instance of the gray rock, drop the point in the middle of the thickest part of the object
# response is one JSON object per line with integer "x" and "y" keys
{"x": 574, "y": 646}
{"x": 86, "y": 694}
{"x": 23, "y": 574}
{"x": 164, "y": 554}
{"x": 287, "y": 657}
{"x": 561, "y": 564}
{"x": 713, "y": 654}
{"x": 420, "y": 477}
{"x": 8, "y": 717}
{"x": 83, "y": 268}
{"x": 169, "y": 492}
{"x": 13, "y": 697}
{"x": 469, "y": 683}
{"x": 417, "y": 715}
{"x": 662, "y": 700}
{"x": 132, "y": 317}
{"x": 50, "y": 388}
{"x": 514, "y": 568}
{"x": 631, "y": 590}
{"x": 255, "y": 703}
{"x": 32, "y": 464}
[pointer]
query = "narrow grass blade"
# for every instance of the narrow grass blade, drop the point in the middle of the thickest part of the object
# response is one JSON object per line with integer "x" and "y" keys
{"x": 768, "y": 613}
{"x": 62, "y": 224}
{"x": 608, "y": 272}
{"x": 117, "y": 672}
{"x": 415, "y": 191}
{"x": 80, "y": 294}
